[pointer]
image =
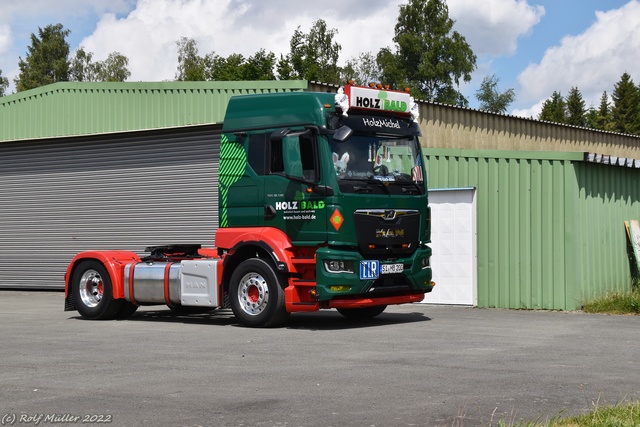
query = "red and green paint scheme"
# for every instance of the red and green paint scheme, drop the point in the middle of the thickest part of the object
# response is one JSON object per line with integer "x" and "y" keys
{"x": 322, "y": 204}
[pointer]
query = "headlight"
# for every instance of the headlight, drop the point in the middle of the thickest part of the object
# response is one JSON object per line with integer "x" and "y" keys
{"x": 425, "y": 262}
{"x": 335, "y": 266}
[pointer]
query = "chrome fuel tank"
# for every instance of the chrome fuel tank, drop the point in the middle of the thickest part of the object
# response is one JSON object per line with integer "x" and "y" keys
{"x": 188, "y": 283}
{"x": 152, "y": 282}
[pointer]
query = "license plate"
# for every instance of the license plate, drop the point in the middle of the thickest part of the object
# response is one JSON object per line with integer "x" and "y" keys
{"x": 369, "y": 270}
{"x": 391, "y": 268}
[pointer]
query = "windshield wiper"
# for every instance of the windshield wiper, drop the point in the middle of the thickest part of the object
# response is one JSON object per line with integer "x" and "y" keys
{"x": 367, "y": 189}
{"x": 413, "y": 187}
{"x": 379, "y": 183}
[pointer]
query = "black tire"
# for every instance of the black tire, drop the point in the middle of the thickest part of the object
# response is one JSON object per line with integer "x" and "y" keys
{"x": 256, "y": 294}
{"x": 126, "y": 310}
{"x": 362, "y": 313}
{"x": 93, "y": 293}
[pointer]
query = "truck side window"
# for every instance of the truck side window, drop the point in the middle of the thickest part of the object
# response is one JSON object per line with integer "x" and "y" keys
{"x": 294, "y": 155}
{"x": 307, "y": 157}
{"x": 257, "y": 153}
{"x": 277, "y": 159}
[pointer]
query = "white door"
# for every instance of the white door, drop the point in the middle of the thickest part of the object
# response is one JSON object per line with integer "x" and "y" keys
{"x": 453, "y": 240}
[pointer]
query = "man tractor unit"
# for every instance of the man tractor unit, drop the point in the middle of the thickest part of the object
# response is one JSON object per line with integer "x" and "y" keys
{"x": 322, "y": 204}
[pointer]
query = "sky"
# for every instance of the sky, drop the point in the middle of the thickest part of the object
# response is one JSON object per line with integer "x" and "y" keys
{"x": 535, "y": 47}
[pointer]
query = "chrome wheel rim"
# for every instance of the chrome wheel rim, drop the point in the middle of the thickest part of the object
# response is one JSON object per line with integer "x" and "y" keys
{"x": 253, "y": 294}
{"x": 91, "y": 288}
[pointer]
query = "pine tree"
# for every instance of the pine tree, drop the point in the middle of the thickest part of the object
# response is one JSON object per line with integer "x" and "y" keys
{"x": 592, "y": 118}
{"x": 603, "y": 120}
{"x": 47, "y": 59}
{"x": 626, "y": 109}
{"x": 576, "y": 108}
{"x": 554, "y": 109}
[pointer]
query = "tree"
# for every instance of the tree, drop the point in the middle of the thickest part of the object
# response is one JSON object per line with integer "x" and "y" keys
{"x": 554, "y": 109}
{"x": 46, "y": 61}
{"x": 82, "y": 67}
{"x": 260, "y": 66}
{"x": 224, "y": 69}
{"x": 363, "y": 69}
{"x": 113, "y": 69}
{"x": 4, "y": 84}
{"x": 603, "y": 118}
{"x": 626, "y": 109}
{"x": 491, "y": 99}
{"x": 576, "y": 108}
{"x": 591, "y": 118}
{"x": 433, "y": 58}
{"x": 312, "y": 56}
{"x": 391, "y": 71}
{"x": 191, "y": 66}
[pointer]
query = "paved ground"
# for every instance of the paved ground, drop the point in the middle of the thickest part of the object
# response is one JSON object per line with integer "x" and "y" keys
{"x": 414, "y": 365}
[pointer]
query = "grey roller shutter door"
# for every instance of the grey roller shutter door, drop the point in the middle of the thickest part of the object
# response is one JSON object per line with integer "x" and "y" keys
{"x": 125, "y": 191}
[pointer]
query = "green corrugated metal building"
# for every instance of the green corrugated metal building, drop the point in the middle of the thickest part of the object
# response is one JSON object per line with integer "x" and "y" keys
{"x": 550, "y": 225}
{"x": 86, "y": 165}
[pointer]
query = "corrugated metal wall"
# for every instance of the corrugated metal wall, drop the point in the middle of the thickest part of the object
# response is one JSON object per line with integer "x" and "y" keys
{"x": 123, "y": 191}
{"x": 445, "y": 126}
{"x": 526, "y": 205}
{"x": 608, "y": 195}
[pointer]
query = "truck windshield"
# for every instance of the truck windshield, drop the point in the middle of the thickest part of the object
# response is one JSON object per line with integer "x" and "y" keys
{"x": 364, "y": 162}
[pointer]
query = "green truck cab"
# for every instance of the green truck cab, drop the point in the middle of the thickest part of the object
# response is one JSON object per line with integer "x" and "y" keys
{"x": 341, "y": 176}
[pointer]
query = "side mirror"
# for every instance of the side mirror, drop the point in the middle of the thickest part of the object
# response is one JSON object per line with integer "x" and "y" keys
{"x": 342, "y": 134}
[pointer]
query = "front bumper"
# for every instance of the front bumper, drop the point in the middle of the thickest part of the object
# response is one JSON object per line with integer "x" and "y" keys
{"x": 415, "y": 278}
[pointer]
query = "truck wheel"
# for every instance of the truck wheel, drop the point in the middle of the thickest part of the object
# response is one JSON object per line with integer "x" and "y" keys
{"x": 92, "y": 291}
{"x": 362, "y": 313}
{"x": 256, "y": 294}
{"x": 126, "y": 310}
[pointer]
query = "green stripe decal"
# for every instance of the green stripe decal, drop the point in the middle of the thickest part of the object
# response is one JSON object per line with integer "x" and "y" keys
{"x": 233, "y": 161}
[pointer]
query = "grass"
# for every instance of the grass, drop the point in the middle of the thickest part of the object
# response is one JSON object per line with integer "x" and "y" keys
{"x": 623, "y": 415}
{"x": 615, "y": 303}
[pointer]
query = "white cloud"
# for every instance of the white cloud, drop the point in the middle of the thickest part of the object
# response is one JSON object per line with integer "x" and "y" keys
{"x": 531, "y": 112}
{"x": 492, "y": 27}
{"x": 592, "y": 61}
{"x": 148, "y": 35}
{"x": 5, "y": 38}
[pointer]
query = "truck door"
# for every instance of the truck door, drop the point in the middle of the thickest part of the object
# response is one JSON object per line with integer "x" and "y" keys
{"x": 291, "y": 205}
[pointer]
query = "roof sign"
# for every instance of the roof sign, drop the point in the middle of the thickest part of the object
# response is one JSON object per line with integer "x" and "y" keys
{"x": 373, "y": 99}
{"x": 376, "y": 99}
